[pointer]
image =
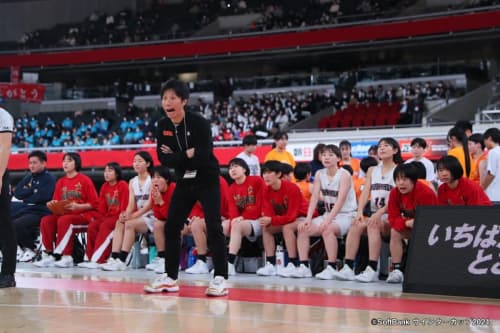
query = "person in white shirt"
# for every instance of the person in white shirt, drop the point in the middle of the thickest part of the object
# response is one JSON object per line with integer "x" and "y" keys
{"x": 491, "y": 183}
{"x": 250, "y": 144}
{"x": 418, "y": 146}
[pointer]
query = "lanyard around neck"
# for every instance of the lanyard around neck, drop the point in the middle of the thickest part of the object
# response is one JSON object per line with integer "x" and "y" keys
{"x": 185, "y": 134}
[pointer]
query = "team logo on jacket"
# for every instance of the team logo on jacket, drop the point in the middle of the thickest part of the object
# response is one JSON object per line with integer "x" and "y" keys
{"x": 168, "y": 133}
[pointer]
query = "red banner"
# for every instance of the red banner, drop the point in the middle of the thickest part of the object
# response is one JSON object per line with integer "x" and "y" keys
{"x": 26, "y": 92}
{"x": 99, "y": 158}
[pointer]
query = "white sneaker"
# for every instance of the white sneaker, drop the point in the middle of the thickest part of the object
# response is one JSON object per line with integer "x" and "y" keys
{"x": 155, "y": 264}
{"x": 46, "y": 261}
{"x": 28, "y": 256}
{"x": 267, "y": 270}
{"x": 19, "y": 253}
{"x": 114, "y": 265}
{"x": 288, "y": 270}
{"x": 199, "y": 267}
{"x": 368, "y": 275}
{"x": 345, "y": 274}
{"x": 65, "y": 262}
{"x": 302, "y": 272}
{"x": 217, "y": 287}
{"x": 327, "y": 274}
{"x": 396, "y": 276}
{"x": 161, "y": 284}
{"x": 89, "y": 265}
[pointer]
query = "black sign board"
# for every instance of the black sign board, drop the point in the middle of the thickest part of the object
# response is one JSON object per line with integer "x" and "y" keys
{"x": 455, "y": 251}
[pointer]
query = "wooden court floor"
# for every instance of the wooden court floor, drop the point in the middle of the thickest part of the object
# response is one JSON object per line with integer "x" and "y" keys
{"x": 77, "y": 300}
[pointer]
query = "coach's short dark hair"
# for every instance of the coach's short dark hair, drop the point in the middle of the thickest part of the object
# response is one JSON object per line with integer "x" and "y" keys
{"x": 38, "y": 154}
{"x": 180, "y": 88}
{"x": 452, "y": 164}
{"x": 406, "y": 170}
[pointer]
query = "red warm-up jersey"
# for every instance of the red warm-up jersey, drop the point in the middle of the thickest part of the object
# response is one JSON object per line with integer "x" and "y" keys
{"x": 283, "y": 206}
{"x": 79, "y": 189}
{"x": 161, "y": 211}
{"x": 224, "y": 205}
{"x": 113, "y": 199}
{"x": 402, "y": 207}
{"x": 245, "y": 199}
{"x": 467, "y": 193}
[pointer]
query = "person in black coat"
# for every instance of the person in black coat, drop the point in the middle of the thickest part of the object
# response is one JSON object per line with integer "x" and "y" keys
{"x": 28, "y": 206}
{"x": 184, "y": 143}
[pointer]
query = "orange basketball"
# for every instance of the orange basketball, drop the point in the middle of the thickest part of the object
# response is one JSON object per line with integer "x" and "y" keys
{"x": 57, "y": 207}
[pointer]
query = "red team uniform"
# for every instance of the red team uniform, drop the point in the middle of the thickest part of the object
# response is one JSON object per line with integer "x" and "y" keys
{"x": 112, "y": 201}
{"x": 60, "y": 229}
{"x": 284, "y": 205}
{"x": 467, "y": 193}
{"x": 402, "y": 207}
{"x": 197, "y": 210}
{"x": 161, "y": 211}
{"x": 245, "y": 199}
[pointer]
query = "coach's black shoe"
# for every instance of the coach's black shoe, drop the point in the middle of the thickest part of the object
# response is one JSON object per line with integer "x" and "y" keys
{"x": 7, "y": 281}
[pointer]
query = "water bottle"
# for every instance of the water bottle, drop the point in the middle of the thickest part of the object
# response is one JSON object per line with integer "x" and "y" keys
{"x": 152, "y": 253}
{"x": 191, "y": 257}
{"x": 280, "y": 259}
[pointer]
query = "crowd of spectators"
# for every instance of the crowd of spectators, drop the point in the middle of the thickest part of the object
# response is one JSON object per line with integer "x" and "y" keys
{"x": 164, "y": 20}
{"x": 231, "y": 120}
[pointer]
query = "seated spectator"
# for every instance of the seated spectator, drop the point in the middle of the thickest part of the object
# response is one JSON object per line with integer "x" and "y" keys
{"x": 28, "y": 205}
{"x": 58, "y": 230}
